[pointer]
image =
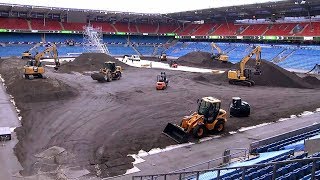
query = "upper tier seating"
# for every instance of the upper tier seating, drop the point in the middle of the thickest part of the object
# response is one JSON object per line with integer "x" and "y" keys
{"x": 13, "y": 23}
{"x": 40, "y": 24}
{"x": 73, "y": 26}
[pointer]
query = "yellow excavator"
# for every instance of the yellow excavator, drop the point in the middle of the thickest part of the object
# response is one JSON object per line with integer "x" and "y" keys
{"x": 28, "y": 54}
{"x": 220, "y": 56}
{"x": 34, "y": 67}
{"x": 243, "y": 75}
{"x": 209, "y": 117}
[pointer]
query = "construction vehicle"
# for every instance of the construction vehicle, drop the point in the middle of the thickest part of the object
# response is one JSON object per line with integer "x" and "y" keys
{"x": 162, "y": 81}
{"x": 28, "y": 54}
{"x": 243, "y": 76}
{"x": 163, "y": 57}
{"x": 209, "y": 118}
{"x": 108, "y": 73}
{"x": 173, "y": 64}
{"x": 34, "y": 67}
{"x": 220, "y": 56}
{"x": 239, "y": 108}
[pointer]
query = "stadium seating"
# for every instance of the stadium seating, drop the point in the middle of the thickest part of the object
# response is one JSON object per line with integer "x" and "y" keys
{"x": 255, "y": 30}
{"x": 20, "y": 38}
{"x": 40, "y": 24}
{"x": 121, "y": 27}
{"x": 203, "y": 29}
{"x": 283, "y": 29}
{"x": 189, "y": 29}
{"x": 168, "y": 28}
{"x": 228, "y": 29}
{"x": 13, "y": 23}
{"x": 147, "y": 28}
{"x": 73, "y": 26}
{"x": 64, "y": 37}
{"x": 106, "y": 27}
{"x": 312, "y": 29}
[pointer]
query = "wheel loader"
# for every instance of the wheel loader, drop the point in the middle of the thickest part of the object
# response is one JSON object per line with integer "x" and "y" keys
{"x": 209, "y": 118}
{"x": 108, "y": 73}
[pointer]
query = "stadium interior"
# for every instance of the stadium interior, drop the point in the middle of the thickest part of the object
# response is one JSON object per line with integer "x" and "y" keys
{"x": 287, "y": 31}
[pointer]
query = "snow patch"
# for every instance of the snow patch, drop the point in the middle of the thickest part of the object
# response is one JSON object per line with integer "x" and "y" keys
{"x": 305, "y": 113}
{"x": 232, "y": 132}
{"x": 253, "y": 127}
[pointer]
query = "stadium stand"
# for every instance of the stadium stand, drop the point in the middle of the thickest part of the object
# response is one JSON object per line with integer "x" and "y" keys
{"x": 13, "y": 23}
{"x": 40, "y": 24}
{"x": 279, "y": 157}
{"x": 255, "y": 30}
{"x": 106, "y": 27}
{"x": 20, "y": 38}
{"x": 163, "y": 28}
{"x": 147, "y": 28}
{"x": 121, "y": 27}
{"x": 62, "y": 38}
{"x": 73, "y": 26}
{"x": 283, "y": 29}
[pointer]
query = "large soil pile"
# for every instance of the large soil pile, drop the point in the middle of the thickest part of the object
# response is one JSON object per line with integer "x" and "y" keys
{"x": 201, "y": 59}
{"x": 272, "y": 75}
{"x": 88, "y": 62}
{"x": 29, "y": 91}
{"x": 312, "y": 80}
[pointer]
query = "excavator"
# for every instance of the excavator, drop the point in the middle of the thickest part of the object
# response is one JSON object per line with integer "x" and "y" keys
{"x": 243, "y": 76}
{"x": 34, "y": 67}
{"x": 209, "y": 117}
{"x": 28, "y": 54}
{"x": 220, "y": 56}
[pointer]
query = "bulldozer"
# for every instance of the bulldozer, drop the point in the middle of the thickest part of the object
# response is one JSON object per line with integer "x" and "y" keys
{"x": 220, "y": 56}
{"x": 209, "y": 118}
{"x": 34, "y": 67}
{"x": 163, "y": 57}
{"x": 243, "y": 76}
{"x": 108, "y": 73}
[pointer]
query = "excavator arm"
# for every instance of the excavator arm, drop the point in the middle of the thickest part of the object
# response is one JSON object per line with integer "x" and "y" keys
{"x": 257, "y": 52}
{"x": 52, "y": 49}
{"x": 214, "y": 46}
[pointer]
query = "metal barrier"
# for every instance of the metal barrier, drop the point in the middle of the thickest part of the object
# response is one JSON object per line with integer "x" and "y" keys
{"x": 243, "y": 154}
{"x": 217, "y": 173}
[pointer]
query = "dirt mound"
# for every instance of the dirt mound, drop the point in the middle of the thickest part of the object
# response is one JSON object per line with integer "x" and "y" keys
{"x": 37, "y": 90}
{"x": 88, "y": 62}
{"x": 272, "y": 75}
{"x": 201, "y": 59}
{"x": 312, "y": 80}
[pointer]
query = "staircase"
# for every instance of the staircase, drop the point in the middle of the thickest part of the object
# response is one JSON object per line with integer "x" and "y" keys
{"x": 29, "y": 25}
{"x": 283, "y": 55}
{"x": 115, "y": 29}
{"x": 62, "y": 27}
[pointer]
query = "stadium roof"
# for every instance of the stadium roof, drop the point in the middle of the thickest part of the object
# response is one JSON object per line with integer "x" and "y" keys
{"x": 136, "y": 6}
{"x": 275, "y": 9}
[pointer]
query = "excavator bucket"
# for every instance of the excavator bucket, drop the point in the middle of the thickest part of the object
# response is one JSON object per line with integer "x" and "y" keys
{"x": 98, "y": 76}
{"x": 176, "y": 133}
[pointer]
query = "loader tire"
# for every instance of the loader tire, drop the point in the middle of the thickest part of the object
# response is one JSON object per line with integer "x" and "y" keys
{"x": 199, "y": 131}
{"x": 219, "y": 127}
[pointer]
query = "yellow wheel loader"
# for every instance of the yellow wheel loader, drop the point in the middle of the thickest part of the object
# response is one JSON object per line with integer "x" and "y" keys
{"x": 108, "y": 73}
{"x": 209, "y": 117}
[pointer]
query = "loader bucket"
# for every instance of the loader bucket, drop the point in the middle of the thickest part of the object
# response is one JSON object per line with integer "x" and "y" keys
{"x": 176, "y": 133}
{"x": 98, "y": 76}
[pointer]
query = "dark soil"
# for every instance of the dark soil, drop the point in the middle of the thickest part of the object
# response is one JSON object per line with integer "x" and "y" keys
{"x": 88, "y": 62}
{"x": 312, "y": 80}
{"x": 272, "y": 76}
{"x": 101, "y": 123}
{"x": 202, "y": 59}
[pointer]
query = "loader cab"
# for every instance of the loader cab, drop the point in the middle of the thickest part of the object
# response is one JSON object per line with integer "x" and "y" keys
{"x": 209, "y": 107}
{"x": 110, "y": 65}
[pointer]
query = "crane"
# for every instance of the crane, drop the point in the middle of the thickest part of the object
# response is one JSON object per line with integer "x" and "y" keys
{"x": 243, "y": 75}
{"x": 220, "y": 56}
{"x": 34, "y": 67}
